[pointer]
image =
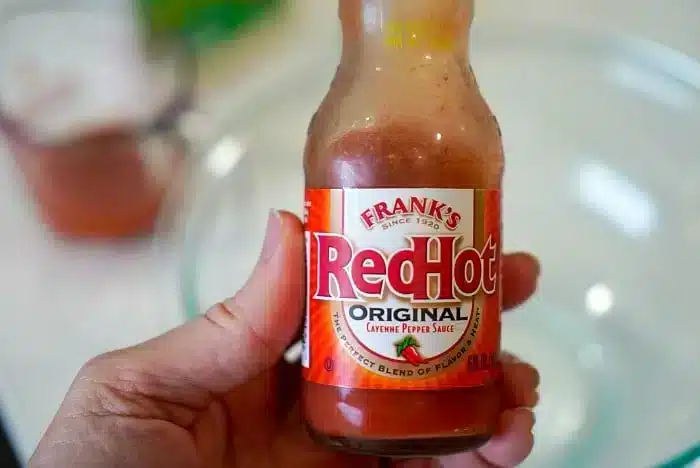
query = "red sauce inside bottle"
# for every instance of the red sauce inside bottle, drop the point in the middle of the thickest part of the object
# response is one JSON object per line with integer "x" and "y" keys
{"x": 403, "y": 120}
{"x": 399, "y": 422}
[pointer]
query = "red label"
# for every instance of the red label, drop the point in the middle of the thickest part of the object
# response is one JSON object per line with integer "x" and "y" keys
{"x": 403, "y": 288}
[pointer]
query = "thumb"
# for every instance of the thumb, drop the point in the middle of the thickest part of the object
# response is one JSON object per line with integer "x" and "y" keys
{"x": 241, "y": 337}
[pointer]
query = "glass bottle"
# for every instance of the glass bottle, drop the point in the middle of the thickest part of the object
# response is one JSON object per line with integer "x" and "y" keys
{"x": 404, "y": 165}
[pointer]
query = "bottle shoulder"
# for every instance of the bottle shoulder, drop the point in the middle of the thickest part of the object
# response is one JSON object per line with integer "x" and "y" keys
{"x": 432, "y": 129}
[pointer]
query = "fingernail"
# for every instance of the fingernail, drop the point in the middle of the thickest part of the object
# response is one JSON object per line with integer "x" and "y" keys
{"x": 273, "y": 236}
{"x": 538, "y": 266}
{"x": 532, "y": 399}
{"x": 535, "y": 264}
{"x": 509, "y": 358}
{"x": 527, "y": 415}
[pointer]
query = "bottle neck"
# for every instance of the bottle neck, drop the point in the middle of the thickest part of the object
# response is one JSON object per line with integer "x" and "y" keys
{"x": 406, "y": 27}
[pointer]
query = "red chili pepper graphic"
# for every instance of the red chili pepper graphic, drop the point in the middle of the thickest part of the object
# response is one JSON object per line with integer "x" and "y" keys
{"x": 411, "y": 355}
{"x": 407, "y": 348}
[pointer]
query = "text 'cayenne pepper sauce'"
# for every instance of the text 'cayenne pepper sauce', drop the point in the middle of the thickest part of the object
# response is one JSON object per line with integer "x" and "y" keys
{"x": 404, "y": 164}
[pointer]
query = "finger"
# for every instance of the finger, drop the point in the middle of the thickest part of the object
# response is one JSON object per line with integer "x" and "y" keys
{"x": 514, "y": 441}
{"x": 508, "y": 448}
{"x": 292, "y": 436}
{"x": 209, "y": 431}
{"x": 519, "y": 273}
{"x": 520, "y": 383}
{"x": 243, "y": 336}
{"x": 274, "y": 393}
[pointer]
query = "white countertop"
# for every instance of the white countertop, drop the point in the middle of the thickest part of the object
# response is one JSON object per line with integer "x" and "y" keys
{"x": 62, "y": 304}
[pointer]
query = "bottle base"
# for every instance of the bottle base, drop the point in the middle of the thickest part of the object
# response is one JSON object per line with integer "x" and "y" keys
{"x": 401, "y": 448}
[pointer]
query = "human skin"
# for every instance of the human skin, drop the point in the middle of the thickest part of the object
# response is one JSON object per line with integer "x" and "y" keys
{"x": 216, "y": 393}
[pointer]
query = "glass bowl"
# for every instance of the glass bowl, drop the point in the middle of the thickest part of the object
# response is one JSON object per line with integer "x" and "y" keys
{"x": 601, "y": 133}
{"x": 98, "y": 143}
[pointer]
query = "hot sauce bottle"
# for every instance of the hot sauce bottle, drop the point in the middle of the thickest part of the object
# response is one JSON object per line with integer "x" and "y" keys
{"x": 403, "y": 164}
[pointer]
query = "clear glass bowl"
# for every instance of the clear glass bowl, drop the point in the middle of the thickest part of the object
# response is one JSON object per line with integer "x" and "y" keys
{"x": 98, "y": 144}
{"x": 601, "y": 134}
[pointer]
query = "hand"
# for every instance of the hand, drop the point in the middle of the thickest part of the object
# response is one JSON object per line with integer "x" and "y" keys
{"x": 216, "y": 393}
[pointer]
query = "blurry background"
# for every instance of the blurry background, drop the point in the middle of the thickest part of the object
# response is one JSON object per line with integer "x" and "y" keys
{"x": 79, "y": 273}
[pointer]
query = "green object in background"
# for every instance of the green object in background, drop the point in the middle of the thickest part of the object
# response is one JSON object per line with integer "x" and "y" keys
{"x": 202, "y": 22}
{"x": 687, "y": 459}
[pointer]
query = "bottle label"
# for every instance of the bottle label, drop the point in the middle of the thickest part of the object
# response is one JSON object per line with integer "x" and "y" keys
{"x": 403, "y": 288}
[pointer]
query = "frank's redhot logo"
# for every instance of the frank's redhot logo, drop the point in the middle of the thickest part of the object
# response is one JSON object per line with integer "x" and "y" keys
{"x": 421, "y": 206}
{"x": 403, "y": 288}
{"x": 346, "y": 273}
